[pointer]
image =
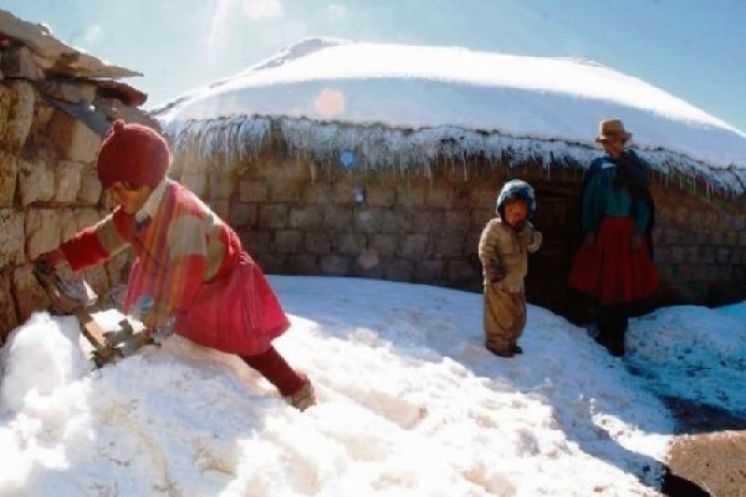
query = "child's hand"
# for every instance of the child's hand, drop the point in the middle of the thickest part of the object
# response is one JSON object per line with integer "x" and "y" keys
{"x": 54, "y": 258}
{"x": 497, "y": 274}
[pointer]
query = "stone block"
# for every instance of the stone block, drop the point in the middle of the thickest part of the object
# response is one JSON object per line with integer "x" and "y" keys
{"x": 272, "y": 263}
{"x": 350, "y": 243}
{"x": 367, "y": 260}
{"x": 221, "y": 208}
{"x": 72, "y": 139}
{"x": 413, "y": 196}
{"x": 399, "y": 270}
{"x": 380, "y": 195}
{"x": 19, "y": 62}
{"x": 273, "y": 216}
{"x": 85, "y": 218}
{"x": 390, "y": 222}
{"x": 195, "y": 182}
{"x": 428, "y": 221}
{"x": 221, "y": 186}
{"x": 243, "y": 215}
{"x": 457, "y": 221}
{"x": 35, "y": 182}
{"x": 90, "y": 189}
{"x": 285, "y": 191}
{"x": 302, "y": 264}
{"x": 318, "y": 193}
{"x": 317, "y": 242}
{"x": 306, "y": 218}
{"x": 368, "y": 265}
{"x": 450, "y": 244}
{"x": 731, "y": 238}
{"x": 482, "y": 197}
{"x": 335, "y": 265}
{"x": 68, "y": 224}
{"x": 11, "y": 237}
{"x": 288, "y": 242}
{"x": 8, "y": 315}
{"x": 337, "y": 218}
{"x": 723, "y": 255}
{"x": 413, "y": 247}
{"x": 708, "y": 254}
{"x": 21, "y": 115}
{"x": 441, "y": 197}
{"x": 480, "y": 217}
{"x": 42, "y": 114}
{"x": 67, "y": 181}
{"x": 430, "y": 271}
{"x": 460, "y": 272}
{"x": 253, "y": 191}
{"x": 385, "y": 245}
{"x": 42, "y": 231}
{"x": 343, "y": 192}
{"x": 8, "y": 179}
{"x": 256, "y": 242}
{"x": 29, "y": 295}
{"x": 77, "y": 92}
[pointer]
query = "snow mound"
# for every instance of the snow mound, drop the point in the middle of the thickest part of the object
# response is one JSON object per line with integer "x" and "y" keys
{"x": 694, "y": 353}
{"x": 39, "y": 357}
{"x": 410, "y": 404}
{"x": 419, "y": 87}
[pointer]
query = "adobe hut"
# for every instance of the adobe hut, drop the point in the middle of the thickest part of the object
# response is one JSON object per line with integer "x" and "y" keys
{"x": 384, "y": 161}
{"x": 55, "y": 103}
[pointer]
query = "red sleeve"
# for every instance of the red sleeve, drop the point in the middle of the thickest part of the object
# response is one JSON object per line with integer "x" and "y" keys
{"x": 84, "y": 250}
{"x": 96, "y": 244}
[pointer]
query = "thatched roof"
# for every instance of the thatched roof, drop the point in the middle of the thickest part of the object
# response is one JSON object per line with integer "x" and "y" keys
{"x": 397, "y": 106}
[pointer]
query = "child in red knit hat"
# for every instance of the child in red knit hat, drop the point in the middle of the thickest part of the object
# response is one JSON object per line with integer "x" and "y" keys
{"x": 188, "y": 263}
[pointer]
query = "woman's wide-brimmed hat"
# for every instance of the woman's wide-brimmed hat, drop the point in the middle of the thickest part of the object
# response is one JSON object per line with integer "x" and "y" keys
{"x": 612, "y": 128}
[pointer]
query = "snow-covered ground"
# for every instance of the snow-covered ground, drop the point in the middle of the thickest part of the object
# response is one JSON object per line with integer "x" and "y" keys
{"x": 410, "y": 404}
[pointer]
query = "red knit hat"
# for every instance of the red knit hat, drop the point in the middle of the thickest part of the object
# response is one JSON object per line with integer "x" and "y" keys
{"x": 134, "y": 153}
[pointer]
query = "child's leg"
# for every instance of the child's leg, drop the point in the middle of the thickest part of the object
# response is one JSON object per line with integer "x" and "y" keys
{"x": 294, "y": 386}
{"x": 519, "y": 302}
{"x": 504, "y": 318}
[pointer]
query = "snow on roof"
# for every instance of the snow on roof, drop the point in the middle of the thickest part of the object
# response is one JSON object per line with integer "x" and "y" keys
{"x": 331, "y": 94}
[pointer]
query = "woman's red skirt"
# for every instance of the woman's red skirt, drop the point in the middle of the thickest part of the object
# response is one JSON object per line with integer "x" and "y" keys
{"x": 610, "y": 270}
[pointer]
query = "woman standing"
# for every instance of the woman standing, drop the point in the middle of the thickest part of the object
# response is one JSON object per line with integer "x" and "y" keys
{"x": 614, "y": 263}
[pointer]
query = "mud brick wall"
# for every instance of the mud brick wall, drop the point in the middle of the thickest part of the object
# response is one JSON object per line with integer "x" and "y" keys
{"x": 48, "y": 191}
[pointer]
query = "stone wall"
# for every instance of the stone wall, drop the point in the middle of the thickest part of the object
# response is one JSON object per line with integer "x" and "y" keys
{"x": 297, "y": 216}
{"x": 700, "y": 247}
{"x": 48, "y": 191}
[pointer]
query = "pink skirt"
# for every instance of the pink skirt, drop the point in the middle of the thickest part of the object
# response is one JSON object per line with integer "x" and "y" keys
{"x": 239, "y": 314}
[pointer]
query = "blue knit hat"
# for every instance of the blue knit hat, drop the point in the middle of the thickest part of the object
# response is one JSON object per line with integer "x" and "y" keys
{"x": 519, "y": 189}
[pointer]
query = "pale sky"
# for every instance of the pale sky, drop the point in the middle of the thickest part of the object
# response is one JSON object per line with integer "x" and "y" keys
{"x": 693, "y": 49}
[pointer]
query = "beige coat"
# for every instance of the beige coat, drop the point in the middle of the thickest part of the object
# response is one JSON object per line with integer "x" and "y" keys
{"x": 504, "y": 254}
